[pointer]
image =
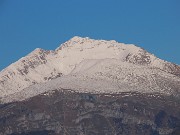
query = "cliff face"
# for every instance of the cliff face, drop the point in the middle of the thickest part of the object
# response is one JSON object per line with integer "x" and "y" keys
{"x": 67, "y": 112}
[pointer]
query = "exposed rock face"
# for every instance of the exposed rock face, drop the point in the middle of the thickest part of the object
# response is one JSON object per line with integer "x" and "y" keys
{"x": 66, "y": 112}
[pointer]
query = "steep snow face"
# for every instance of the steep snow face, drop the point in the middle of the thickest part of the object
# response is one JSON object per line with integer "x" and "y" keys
{"x": 41, "y": 66}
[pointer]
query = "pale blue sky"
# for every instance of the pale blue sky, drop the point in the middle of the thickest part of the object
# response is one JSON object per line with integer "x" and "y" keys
{"x": 27, "y": 24}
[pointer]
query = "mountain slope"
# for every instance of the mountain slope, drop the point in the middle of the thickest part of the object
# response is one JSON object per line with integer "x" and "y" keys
{"x": 107, "y": 76}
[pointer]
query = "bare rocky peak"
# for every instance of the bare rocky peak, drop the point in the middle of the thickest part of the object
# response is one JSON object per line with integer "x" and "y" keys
{"x": 41, "y": 65}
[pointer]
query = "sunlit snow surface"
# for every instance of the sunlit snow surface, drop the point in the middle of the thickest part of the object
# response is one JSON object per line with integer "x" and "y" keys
{"x": 88, "y": 65}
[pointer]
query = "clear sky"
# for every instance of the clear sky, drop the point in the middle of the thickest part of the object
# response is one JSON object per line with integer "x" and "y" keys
{"x": 28, "y": 24}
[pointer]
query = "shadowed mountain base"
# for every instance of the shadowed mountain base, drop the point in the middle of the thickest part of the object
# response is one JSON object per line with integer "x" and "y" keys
{"x": 65, "y": 112}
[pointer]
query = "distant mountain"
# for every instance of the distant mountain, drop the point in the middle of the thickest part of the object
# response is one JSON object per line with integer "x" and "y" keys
{"x": 100, "y": 87}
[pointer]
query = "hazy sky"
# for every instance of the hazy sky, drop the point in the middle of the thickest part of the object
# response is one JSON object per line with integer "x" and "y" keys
{"x": 27, "y": 24}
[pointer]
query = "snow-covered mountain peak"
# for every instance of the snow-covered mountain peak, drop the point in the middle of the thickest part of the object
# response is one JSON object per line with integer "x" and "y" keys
{"x": 88, "y": 43}
{"x": 100, "y": 49}
{"x": 42, "y": 65}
